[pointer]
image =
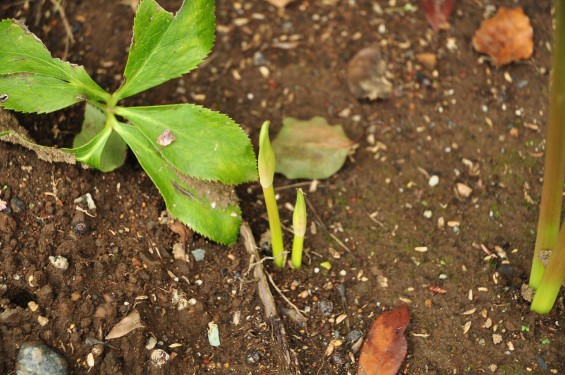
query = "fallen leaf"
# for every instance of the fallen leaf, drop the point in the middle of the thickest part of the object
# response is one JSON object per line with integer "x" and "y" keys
{"x": 366, "y": 75}
{"x": 506, "y": 37}
{"x": 126, "y": 325}
{"x": 310, "y": 149}
{"x": 385, "y": 346}
{"x": 438, "y": 12}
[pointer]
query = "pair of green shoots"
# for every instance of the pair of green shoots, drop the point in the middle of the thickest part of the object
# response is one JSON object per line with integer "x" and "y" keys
{"x": 547, "y": 278}
{"x": 266, "y": 164}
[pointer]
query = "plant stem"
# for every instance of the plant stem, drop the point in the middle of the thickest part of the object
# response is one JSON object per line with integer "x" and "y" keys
{"x": 275, "y": 226}
{"x": 297, "y": 246}
{"x": 299, "y": 225}
{"x": 554, "y": 170}
{"x": 552, "y": 278}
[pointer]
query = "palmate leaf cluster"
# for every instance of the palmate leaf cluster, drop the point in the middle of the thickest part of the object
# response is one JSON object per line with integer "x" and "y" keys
{"x": 206, "y": 149}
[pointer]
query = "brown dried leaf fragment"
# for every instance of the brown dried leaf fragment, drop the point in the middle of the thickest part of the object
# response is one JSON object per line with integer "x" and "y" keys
{"x": 126, "y": 325}
{"x": 438, "y": 12}
{"x": 506, "y": 37}
{"x": 366, "y": 75}
{"x": 385, "y": 346}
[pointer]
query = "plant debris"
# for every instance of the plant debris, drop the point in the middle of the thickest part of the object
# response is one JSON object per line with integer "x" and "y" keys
{"x": 310, "y": 149}
{"x": 506, "y": 37}
{"x": 385, "y": 346}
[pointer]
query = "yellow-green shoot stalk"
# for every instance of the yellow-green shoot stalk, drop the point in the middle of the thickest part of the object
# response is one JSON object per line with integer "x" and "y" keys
{"x": 266, "y": 166}
{"x": 548, "y": 281}
{"x": 553, "y": 276}
{"x": 299, "y": 226}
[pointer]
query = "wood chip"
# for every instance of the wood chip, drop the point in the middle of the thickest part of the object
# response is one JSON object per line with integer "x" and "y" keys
{"x": 126, "y": 325}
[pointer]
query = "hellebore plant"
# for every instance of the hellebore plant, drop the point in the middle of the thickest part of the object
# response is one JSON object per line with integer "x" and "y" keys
{"x": 550, "y": 239}
{"x": 266, "y": 166}
{"x": 184, "y": 148}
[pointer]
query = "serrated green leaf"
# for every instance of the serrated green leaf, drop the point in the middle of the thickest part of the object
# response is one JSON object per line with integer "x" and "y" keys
{"x": 105, "y": 156}
{"x": 23, "y": 54}
{"x": 310, "y": 148}
{"x": 208, "y": 208}
{"x": 208, "y": 145}
{"x": 166, "y": 47}
{"x": 36, "y": 93}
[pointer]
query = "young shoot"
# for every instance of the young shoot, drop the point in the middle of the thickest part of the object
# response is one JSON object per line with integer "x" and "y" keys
{"x": 266, "y": 165}
{"x": 299, "y": 226}
{"x": 548, "y": 280}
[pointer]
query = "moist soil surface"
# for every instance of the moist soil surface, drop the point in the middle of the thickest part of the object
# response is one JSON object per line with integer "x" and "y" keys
{"x": 390, "y": 237}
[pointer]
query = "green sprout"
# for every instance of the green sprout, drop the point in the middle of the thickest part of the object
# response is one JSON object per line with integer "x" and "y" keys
{"x": 299, "y": 226}
{"x": 547, "y": 281}
{"x": 188, "y": 151}
{"x": 266, "y": 164}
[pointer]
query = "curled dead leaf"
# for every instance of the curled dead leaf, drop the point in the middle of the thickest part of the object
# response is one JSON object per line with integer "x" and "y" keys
{"x": 506, "y": 37}
{"x": 366, "y": 75}
{"x": 385, "y": 346}
{"x": 126, "y": 325}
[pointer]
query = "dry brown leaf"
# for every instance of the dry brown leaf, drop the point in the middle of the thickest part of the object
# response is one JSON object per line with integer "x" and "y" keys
{"x": 366, "y": 75}
{"x": 126, "y": 325}
{"x": 385, "y": 346}
{"x": 506, "y": 37}
{"x": 438, "y": 12}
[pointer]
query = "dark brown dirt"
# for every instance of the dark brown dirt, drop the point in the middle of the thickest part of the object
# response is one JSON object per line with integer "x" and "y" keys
{"x": 375, "y": 205}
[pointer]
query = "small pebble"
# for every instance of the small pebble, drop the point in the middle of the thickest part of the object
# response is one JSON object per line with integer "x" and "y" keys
{"x": 326, "y": 307}
{"x": 159, "y": 357}
{"x": 59, "y": 262}
{"x": 36, "y": 358}
{"x": 90, "y": 360}
{"x": 198, "y": 254}
{"x": 17, "y": 205}
{"x": 253, "y": 357}
{"x": 434, "y": 181}
{"x": 259, "y": 58}
{"x": 338, "y": 359}
{"x": 213, "y": 334}
{"x": 354, "y": 335}
{"x": 151, "y": 343}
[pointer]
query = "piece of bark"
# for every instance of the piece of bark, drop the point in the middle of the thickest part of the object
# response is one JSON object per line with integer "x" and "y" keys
{"x": 286, "y": 357}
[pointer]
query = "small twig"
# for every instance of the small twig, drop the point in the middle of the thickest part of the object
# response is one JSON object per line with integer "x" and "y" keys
{"x": 68, "y": 30}
{"x": 298, "y": 311}
{"x": 285, "y": 356}
{"x": 313, "y": 211}
{"x": 296, "y": 185}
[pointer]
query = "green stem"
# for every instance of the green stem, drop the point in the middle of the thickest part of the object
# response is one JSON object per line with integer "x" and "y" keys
{"x": 552, "y": 278}
{"x": 554, "y": 171}
{"x": 275, "y": 226}
{"x": 297, "y": 246}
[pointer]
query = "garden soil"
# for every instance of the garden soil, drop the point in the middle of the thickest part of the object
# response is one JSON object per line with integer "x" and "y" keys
{"x": 456, "y": 256}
